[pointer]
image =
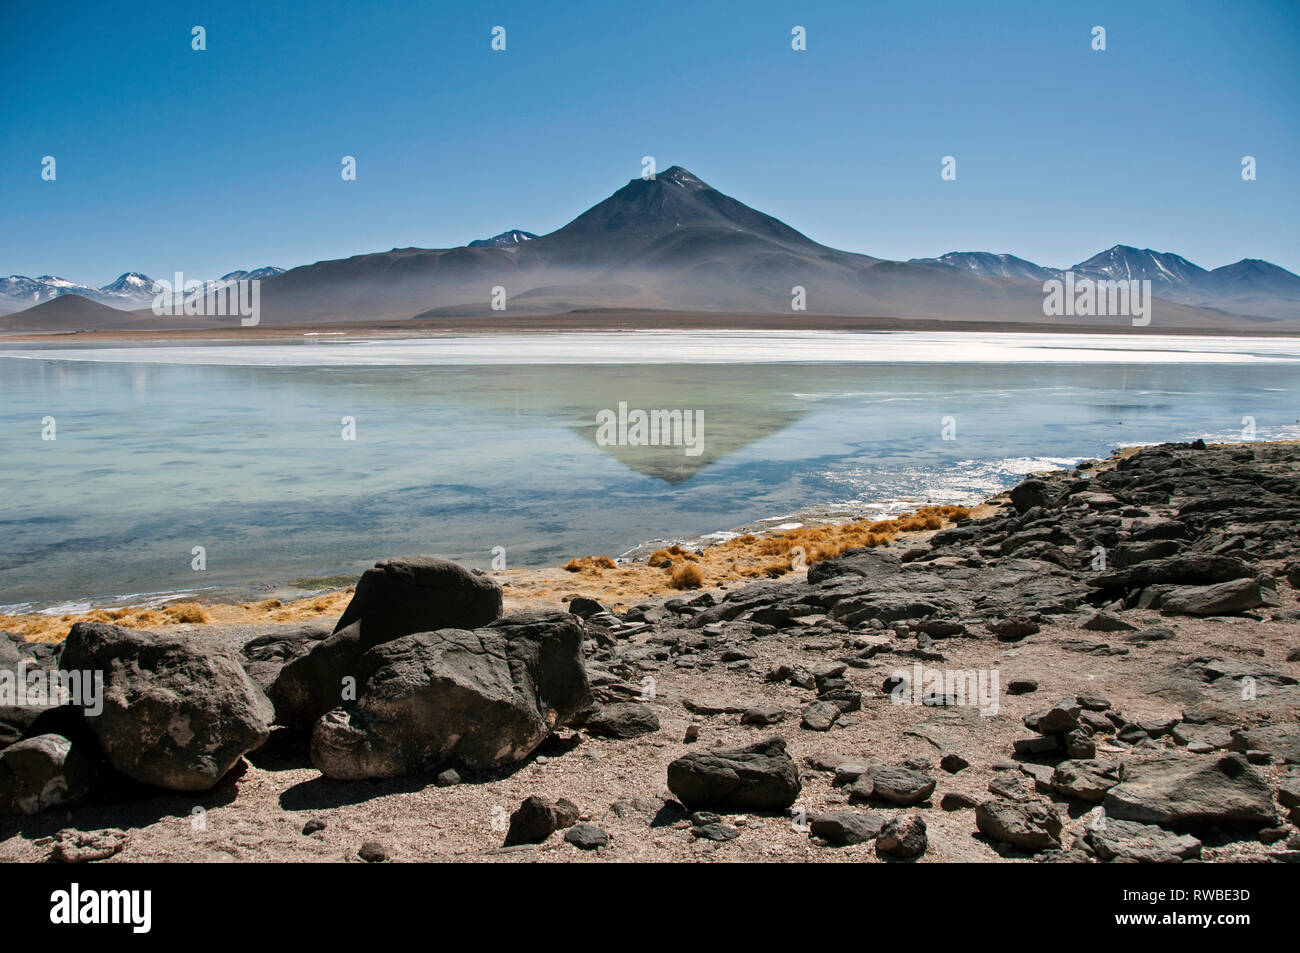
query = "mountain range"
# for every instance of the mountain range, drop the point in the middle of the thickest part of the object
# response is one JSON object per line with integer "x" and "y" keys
{"x": 674, "y": 243}
{"x": 1250, "y": 286}
{"x": 129, "y": 291}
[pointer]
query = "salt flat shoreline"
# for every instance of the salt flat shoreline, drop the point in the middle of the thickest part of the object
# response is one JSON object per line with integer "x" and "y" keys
{"x": 615, "y": 320}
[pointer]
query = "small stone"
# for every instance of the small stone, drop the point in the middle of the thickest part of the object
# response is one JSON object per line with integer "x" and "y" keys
{"x": 1087, "y": 780}
{"x": 952, "y": 763}
{"x": 313, "y": 825}
{"x": 586, "y": 836}
{"x": 448, "y": 778}
{"x": 1106, "y": 622}
{"x": 1114, "y": 839}
{"x": 902, "y": 837}
{"x": 78, "y": 847}
{"x": 1043, "y": 744}
{"x": 1060, "y": 718}
{"x": 716, "y": 831}
{"x": 1093, "y": 702}
{"x": 1031, "y": 826}
{"x": 820, "y": 716}
{"x": 373, "y": 852}
{"x": 1013, "y": 629}
{"x": 843, "y": 828}
{"x": 762, "y": 715}
{"x": 956, "y": 801}
{"x": 900, "y": 785}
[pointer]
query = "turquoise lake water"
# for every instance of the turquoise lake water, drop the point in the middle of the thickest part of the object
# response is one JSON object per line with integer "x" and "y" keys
{"x": 466, "y": 444}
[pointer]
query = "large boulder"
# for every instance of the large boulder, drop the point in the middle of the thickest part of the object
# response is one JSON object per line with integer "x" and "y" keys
{"x": 865, "y": 563}
{"x": 1141, "y": 843}
{"x": 760, "y": 777}
{"x": 1189, "y": 791}
{"x": 622, "y": 720}
{"x": 1032, "y": 825}
{"x": 174, "y": 715}
{"x": 1034, "y": 492}
{"x": 265, "y": 655}
{"x": 419, "y": 594}
{"x": 477, "y": 699}
{"x": 1086, "y": 779}
{"x": 40, "y": 773}
{"x": 1189, "y": 569}
{"x": 1225, "y": 598}
{"x": 312, "y": 684}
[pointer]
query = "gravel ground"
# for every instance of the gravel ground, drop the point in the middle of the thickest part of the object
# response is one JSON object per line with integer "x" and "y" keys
{"x": 259, "y": 815}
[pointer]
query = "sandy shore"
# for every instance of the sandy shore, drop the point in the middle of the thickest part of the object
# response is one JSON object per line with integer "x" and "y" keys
{"x": 771, "y": 555}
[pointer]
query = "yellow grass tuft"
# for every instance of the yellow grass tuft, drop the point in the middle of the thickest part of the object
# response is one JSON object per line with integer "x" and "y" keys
{"x": 687, "y": 576}
{"x": 590, "y": 564}
{"x": 189, "y": 612}
{"x": 674, "y": 567}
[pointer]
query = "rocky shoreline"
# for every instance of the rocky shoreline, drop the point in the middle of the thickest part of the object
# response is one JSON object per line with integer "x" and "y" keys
{"x": 1101, "y": 668}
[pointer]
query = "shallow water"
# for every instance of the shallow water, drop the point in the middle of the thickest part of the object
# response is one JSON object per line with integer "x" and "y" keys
{"x": 466, "y": 444}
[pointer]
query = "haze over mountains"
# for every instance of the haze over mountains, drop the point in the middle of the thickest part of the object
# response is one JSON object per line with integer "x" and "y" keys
{"x": 673, "y": 243}
{"x": 128, "y": 291}
{"x": 1250, "y": 286}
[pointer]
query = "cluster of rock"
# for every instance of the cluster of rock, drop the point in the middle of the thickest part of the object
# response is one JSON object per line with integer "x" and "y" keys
{"x": 421, "y": 674}
{"x": 1181, "y": 529}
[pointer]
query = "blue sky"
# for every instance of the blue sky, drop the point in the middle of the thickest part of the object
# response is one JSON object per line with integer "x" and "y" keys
{"x": 170, "y": 159}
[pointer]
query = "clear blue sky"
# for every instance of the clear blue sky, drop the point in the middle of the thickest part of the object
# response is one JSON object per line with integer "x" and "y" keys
{"x": 205, "y": 162}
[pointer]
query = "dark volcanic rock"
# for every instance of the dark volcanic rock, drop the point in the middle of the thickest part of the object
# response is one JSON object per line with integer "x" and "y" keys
{"x": 1189, "y": 791}
{"x": 895, "y": 784}
{"x": 1033, "y": 492}
{"x": 480, "y": 699}
{"x": 1225, "y": 598}
{"x": 537, "y": 819}
{"x": 266, "y": 655}
{"x": 871, "y": 564}
{"x": 846, "y": 827}
{"x": 1013, "y": 628}
{"x": 1030, "y": 826}
{"x": 820, "y": 716}
{"x": 174, "y": 715}
{"x": 310, "y": 685}
{"x": 902, "y": 837}
{"x": 1144, "y": 843}
{"x": 40, "y": 773}
{"x": 760, "y": 777}
{"x": 1087, "y": 780}
{"x": 584, "y": 607}
{"x": 1195, "y": 569}
{"x": 419, "y": 594}
{"x": 586, "y": 836}
{"x": 622, "y": 720}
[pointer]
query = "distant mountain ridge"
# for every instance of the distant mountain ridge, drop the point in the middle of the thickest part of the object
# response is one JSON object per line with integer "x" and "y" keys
{"x": 513, "y": 237}
{"x": 672, "y": 242}
{"x": 1250, "y": 286}
{"x": 129, "y": 291}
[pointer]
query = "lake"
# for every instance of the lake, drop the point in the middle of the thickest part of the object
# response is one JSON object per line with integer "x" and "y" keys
{"x": 316, "y": 456}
